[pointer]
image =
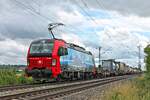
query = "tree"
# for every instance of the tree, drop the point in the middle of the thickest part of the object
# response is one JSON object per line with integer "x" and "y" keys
{"x": 147, "y": 60}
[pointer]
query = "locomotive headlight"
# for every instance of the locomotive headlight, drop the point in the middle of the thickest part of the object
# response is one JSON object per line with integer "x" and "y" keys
{"x": 39, "y": 61}
{"x": 54, "y": 62}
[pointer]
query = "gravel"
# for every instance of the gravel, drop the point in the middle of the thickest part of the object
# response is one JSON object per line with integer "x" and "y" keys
{"x": 91, "y": 94}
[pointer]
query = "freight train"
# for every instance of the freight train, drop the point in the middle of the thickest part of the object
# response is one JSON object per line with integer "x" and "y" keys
{"x": 110, "y": 67}
{"x": 49, "y": 59}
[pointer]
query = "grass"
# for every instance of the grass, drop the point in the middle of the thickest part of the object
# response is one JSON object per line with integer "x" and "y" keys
{"x": 137, "y": 89}
{"x": 9, "y": 76}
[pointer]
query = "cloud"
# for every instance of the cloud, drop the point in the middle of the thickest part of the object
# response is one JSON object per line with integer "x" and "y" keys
{"x": 12, "y": 52}
{"x": 75, "y": 17}
{"x": 124, "y": 7}
{"x": 120, "y": 44}
{"x": 120, "y": 26}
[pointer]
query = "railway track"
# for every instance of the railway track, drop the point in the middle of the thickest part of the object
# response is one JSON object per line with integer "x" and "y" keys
{"x": 51, "y": 92}
{"x": 15, "y": 87}
{"x": 24, "y": 86}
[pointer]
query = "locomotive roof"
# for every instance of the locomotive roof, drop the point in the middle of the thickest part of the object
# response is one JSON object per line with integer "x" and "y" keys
{"x": 70, "y": 45}
{"x": 78, "y": 48}
{"x": 109, "y": 60}
{"x": 48, "y": 40}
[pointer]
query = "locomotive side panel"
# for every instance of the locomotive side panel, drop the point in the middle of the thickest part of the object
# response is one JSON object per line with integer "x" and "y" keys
{"x": 77, "y": 61}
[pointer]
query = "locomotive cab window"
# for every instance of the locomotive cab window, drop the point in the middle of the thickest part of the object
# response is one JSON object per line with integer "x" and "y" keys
{"x": 41, "y": 48}
{"x": 62, "y": 51}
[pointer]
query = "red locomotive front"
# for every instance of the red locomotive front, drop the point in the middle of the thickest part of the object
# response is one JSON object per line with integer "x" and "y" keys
{"x": 55, "y": 59}
{"x": 43, "y": 59}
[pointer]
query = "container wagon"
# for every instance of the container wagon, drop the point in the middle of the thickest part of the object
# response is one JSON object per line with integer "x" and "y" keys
{"x": 109, "y": 67}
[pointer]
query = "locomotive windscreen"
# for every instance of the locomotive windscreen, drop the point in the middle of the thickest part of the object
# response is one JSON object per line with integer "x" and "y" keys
{"x": 41, "y": 48}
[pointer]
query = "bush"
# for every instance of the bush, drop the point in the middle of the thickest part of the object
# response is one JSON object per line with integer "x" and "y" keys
{"x": 136, "y": 89}
{"x": 147, "y": 61}
{"x": 8, "y": 76}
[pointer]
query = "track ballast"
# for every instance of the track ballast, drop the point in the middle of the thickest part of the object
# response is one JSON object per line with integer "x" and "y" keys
{"x": 57, "y": 91}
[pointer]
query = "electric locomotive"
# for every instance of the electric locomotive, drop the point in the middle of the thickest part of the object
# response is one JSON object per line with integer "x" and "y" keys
{"x": 56, "y": 59}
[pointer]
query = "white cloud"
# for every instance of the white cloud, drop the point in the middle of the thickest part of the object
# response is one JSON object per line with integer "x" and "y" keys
{"x": 124, "y": 7}
{"x": 119, "y": 39}
{"x": 12, "y": 52}
{"x": 72, "y": 38}
{"x": 120, "y": 43}
{"x": 71, "y": 18}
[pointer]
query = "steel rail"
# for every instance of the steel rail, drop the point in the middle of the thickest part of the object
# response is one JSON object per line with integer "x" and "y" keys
{"x": 15, "y": 87}
{"x": 59, "y": 89}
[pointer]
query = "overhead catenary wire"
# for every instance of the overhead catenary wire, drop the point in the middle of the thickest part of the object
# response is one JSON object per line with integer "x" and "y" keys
{"x": 71, "y": 27}
{"x": 86, "y": 12}
{"x": 101, "y": 5}
{"x": 91, "y": 18}
{"x": 88, "y": 15}
{"x": 53, "y": 20}
{"x": 31, "y": 10}
{"x": 85, "y": 4}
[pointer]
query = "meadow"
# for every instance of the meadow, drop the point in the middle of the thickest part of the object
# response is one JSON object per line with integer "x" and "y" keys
{"x": 136, "y": 89}
{"x": 11, "y": 76}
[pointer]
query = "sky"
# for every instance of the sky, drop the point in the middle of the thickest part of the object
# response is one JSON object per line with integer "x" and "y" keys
{"x": 118, "y": 26}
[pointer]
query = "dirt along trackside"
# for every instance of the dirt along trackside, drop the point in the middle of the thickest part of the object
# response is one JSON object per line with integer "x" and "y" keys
{"x": 96, "y": 93}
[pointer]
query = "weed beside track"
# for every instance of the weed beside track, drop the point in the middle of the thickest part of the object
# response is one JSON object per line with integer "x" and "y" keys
{"x": 8, "y": 76}
{"x": 59, "y": 91}
{"x": 136, "y": 89}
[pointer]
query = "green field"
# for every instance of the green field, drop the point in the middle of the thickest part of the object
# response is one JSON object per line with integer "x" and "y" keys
{"x": 11, "y": 76}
